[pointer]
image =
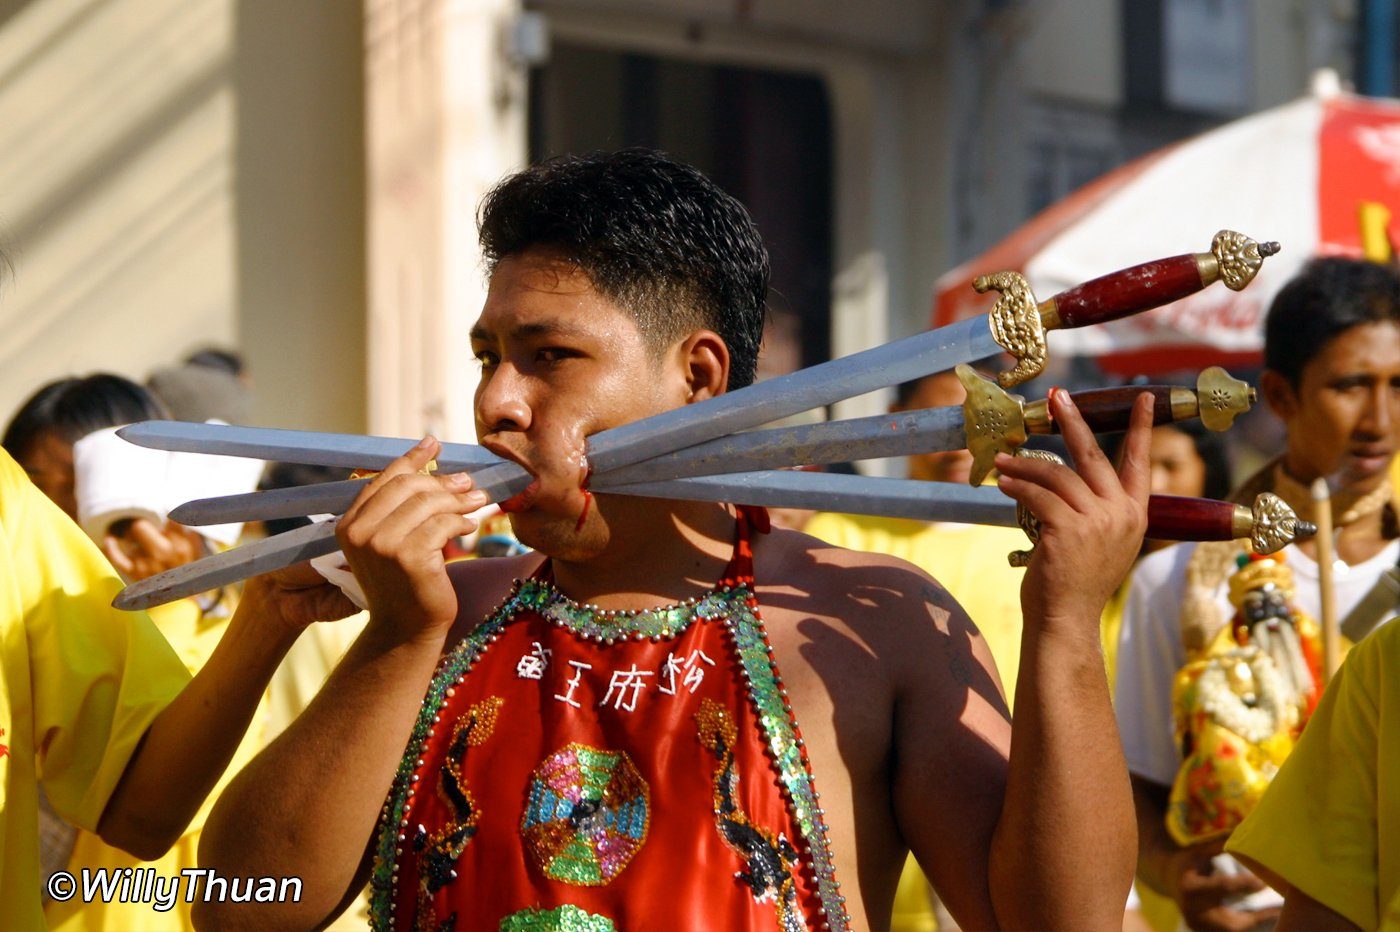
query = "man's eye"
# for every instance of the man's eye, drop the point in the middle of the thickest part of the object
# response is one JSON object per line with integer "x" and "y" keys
{"x": 553, "y": 354}
{"x": 487, "y": 360}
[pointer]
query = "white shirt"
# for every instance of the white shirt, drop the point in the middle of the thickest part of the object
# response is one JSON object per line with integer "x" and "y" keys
{"x": 1150, "y": 651}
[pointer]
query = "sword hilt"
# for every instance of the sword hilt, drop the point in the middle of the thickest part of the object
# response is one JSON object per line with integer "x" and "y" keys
{"x": 997, "y": 422}
{"x": 1233, "y": 258}
{"x": 1269, "y": 526}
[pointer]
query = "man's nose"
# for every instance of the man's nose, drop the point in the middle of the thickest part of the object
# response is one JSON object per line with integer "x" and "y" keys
{"x": 503, "y": 401}
{"x": 1381, "y": 417}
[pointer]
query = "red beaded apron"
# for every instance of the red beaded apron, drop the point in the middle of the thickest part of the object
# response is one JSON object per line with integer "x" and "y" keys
{"x": 580, "y": 769}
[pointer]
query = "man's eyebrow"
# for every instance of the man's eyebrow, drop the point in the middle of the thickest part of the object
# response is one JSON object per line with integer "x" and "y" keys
{"x": 534, "y": 330}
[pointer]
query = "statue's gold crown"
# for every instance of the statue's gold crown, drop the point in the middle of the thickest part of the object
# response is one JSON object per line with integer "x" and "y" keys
{"x": 1258, "y": 573}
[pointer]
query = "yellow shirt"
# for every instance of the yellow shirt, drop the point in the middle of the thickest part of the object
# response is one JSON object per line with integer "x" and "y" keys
{"x": 1329, "y": 823}
{"x": 969, "y": 560}
{"x": 80, "y": 682}
{"x": 194, "y": 638}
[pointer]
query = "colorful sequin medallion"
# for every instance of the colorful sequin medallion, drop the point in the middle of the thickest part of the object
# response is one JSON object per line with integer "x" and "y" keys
{"x": 586, "y": 809}
{"x": 586, "y": 816}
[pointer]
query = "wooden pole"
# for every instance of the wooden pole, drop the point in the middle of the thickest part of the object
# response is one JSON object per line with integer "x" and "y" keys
{"x": 1327, "y": 596}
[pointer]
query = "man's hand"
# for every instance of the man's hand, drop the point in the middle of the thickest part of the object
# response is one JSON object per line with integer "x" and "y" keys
{"x": 139, "y": 548}
{"x": 1092, "y": 520}
{"x": 393, "y": 537}
{"x": 297, "y": 596}
{"x": 1202, "y": 893}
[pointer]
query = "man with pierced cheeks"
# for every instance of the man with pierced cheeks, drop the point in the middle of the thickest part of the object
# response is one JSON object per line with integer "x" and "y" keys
{"x": 671, "y": 716}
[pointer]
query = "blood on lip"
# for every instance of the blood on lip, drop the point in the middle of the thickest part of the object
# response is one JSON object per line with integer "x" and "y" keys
{"x": 521, "y": 500}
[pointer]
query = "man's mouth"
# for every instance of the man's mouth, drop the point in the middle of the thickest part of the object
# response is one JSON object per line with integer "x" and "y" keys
{"x": 1370, "y": 459}
{"x": 521, "y": 500}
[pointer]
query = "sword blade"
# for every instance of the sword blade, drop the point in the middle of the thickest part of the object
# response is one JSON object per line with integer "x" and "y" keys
{"x": 228, "y": 567}
{"x": 922, "y": 431}
{"x": 275, "y": 552}
{"x": 835, "y": 441}
{"x": 864, "y": 495}
{"x": 910, "y": 358}
{"x": 350, "y": 451}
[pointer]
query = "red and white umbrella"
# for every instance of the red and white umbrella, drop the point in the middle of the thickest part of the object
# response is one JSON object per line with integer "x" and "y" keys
{"x": 1319, "y": 175}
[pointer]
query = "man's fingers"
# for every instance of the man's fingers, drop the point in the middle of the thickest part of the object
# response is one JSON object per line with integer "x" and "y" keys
{"x": 1042, "y": 502}
{"x": 150, "y": 541}
{"x": 116, "y": 554}
{"x": 386, "y": 519}
{"x": 1135, "y": 472}
{"x": 434, "y": 533}
{"x": 411, "y": 462}
{"x": 1089, "y": 460}
{"x": 1232, "y": 884}
{"x": 1058, "y": 479}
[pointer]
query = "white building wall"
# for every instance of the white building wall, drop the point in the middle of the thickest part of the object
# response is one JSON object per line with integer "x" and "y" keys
{"x": 116, "y": 187}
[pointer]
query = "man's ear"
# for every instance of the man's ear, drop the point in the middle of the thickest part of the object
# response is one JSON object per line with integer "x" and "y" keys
{"x": 1279, "y": 394}
{"x": 704, "y": 359}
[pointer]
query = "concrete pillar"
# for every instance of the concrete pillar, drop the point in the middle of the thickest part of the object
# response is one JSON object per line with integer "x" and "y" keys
{"x": 445, "y": 120}
{"x": 299, "y": 79}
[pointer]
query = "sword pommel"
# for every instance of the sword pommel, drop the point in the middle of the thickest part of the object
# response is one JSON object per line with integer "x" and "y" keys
{"x": 1271, "y": 525}
{"x": 1221, "y": 398}
{"x": 1234, "y": 259}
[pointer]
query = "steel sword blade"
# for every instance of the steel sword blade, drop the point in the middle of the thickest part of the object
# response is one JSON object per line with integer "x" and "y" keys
{"x": 273, "y": 553}
{"x": 221, "y": 569}
{"x": 350, "y": 451}
{"x": 885, "y": 435}
{"x": 865, "y": 495}
{"x": 926, "y": 430}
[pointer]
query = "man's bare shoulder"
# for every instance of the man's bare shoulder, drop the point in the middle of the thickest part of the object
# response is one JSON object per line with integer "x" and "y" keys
{"x": 878, "y": 614}
{"x": 872, "y": 590}
{"x": 482, "y": 584}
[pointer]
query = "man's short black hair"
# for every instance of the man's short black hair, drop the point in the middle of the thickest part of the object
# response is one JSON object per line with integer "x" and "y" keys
{"x": 1327, "y": 298}
{"x": 652, "y": 234}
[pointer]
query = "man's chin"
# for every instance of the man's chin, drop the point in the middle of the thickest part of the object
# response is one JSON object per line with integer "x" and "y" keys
{"x": 562, "y": 537}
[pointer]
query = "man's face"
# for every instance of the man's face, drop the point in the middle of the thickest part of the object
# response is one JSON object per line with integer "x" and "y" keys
{"x": 561, "y": 362}
{"x": 1343, "y": 418}
{"x": 937, "y": 391}
{"x": 1177, "y": 469}
{"x": 49, "y": 462}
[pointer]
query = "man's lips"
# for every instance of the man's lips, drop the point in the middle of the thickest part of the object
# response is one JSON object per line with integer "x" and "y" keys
{"x": 1370, "y": 459}
{"x": 521, "y": 500}
{"x": 573, "y": 482}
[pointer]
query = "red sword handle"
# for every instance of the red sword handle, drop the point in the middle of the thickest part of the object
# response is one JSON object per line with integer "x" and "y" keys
{"x": 1126, "y": 292}
{"x": 1176, "y": 517}
{"x": 1108, "y": 410}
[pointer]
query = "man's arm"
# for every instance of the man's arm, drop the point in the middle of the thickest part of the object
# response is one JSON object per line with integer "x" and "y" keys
{"x": 1065, "y": 845}
{"x": 307, "y": 805}
{"x": 1030, "y": 826}
{"x": 190, "y": 743}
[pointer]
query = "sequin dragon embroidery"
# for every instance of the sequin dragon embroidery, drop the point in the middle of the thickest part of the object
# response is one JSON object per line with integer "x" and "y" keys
{"x": 440, "y": 850}
{"x": 768, "y": 859}
{"x": 733, "y": 604}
